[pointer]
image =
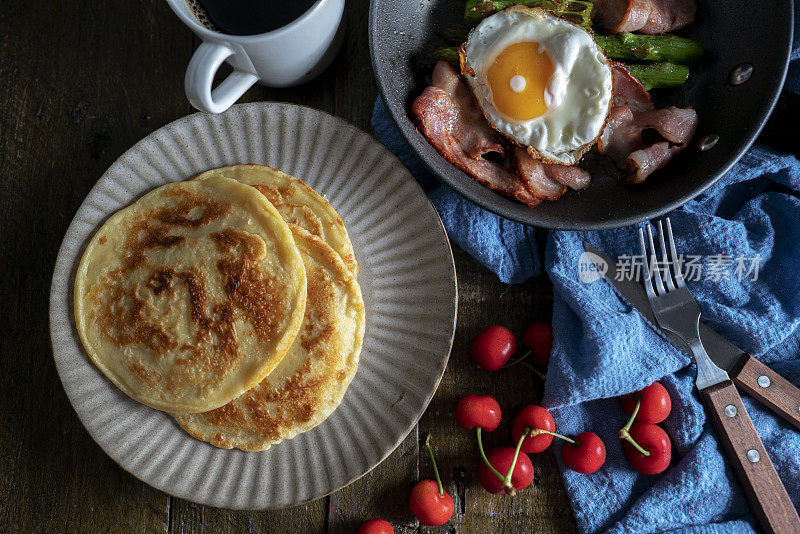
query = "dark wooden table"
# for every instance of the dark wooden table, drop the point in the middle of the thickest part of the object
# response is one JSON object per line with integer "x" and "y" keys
{"x": 80, "y": 82}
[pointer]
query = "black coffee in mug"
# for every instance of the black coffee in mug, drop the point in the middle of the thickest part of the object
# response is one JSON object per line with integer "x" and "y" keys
{"x": 248, "y": 17}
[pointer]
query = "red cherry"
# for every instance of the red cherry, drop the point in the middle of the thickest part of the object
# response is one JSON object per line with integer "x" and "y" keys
{"x": 492, "y": 348}
{"x": 586, "y": 455}
{"x": 428, "y": 506}
{"x": 375, "y": 526}
{"x": 480, "y": 411}
{"x": 533, "y": 418}
{"x": 655, "y": 406}
{"x": 538, "y": 337}
{"x": 501, "y": 458}
{"x": 653, "y": 439}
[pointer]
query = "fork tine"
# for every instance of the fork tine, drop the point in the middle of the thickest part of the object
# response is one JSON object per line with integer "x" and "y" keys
{"x": 678, "y": 276}
{"x": 654, "y": 262}
{"x": 666, "y": 259}
{"x": 647, "y": 279}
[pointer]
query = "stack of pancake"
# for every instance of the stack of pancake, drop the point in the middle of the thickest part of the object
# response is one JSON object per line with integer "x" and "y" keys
{"x": 229, "y": 301}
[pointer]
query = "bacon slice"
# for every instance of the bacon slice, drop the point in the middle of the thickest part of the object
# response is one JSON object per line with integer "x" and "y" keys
{"x": 631, "y": 114}
{"x": 628, "y": 91}
{"x": 644, "y": 16}
{"x": 547, "y": 180}
{"x": 668, "y": 15}
{"x": 534, "y": 173}
{"x": 623, "y": 132}
{"x": 620, "y": 135}
{"x": 676, "y": 125}
{"x": 641, "y": 163}
{"x": 446, "y": 122}
{"x": 572, "y": 176}
{"x": 471, "y": 129}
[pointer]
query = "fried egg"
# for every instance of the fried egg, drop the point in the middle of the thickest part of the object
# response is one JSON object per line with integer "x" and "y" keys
{"x": 540, "y": 80}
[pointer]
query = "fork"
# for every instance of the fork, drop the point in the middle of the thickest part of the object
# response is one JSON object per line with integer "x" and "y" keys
{"x": 676, "y": 310}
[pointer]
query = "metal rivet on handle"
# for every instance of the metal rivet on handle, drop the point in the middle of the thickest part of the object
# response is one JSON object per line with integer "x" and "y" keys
{"x": 753, "y": 456}
{"x": 707, "y": 142}
{"x": 763, "y": 381}
{"x": 741, "y": 73}
{"x": 730, "y": 410}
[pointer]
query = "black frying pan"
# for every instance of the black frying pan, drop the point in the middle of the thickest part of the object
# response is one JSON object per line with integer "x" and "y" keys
{"x": 754, "y": 31}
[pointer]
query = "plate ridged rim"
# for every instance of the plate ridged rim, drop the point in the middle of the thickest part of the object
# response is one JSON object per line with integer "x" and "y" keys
{"x": 407, "y": 277}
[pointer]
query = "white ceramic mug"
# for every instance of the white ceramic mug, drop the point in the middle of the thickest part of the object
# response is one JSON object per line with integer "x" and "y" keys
{"x": 288, "y": 56}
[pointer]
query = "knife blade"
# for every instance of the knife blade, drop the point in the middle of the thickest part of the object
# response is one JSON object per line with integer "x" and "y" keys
{"x": 757, "y": 379}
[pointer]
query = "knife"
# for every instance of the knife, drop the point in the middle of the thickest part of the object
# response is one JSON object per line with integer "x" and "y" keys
{"x": 761, "y": 382}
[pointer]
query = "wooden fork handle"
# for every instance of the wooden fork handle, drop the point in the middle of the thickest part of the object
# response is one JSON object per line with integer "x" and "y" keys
{"x": 769, "y": 387}
{"x": 764, "y": 490}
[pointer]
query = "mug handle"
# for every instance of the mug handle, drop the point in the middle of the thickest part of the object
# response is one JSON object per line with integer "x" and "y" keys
{"x": 200, "y": 75}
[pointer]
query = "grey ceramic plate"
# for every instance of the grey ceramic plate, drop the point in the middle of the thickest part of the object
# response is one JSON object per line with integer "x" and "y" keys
{"x": 758, "y": 32}
{"x": 407, "y": 278}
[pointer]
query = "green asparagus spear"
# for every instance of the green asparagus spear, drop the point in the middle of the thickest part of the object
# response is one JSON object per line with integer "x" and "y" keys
{"x": 660, "y": 75}
{"x": 447, "y": 54}
{"x": 455, "y": 35}
{"x": 576, "y": 11}
{"x": 477, "y": 10}
{"x": 633, "y": 47}
{"x": 652, "y": 76}
{"x": 624, "y": 46}
{"x": 636, "y": 47}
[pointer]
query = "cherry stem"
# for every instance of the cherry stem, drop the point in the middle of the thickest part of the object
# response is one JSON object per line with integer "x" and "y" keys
{"x": 433, "y": 461}
{"x": 624, "y": 431}
{"x": 526, "y": 364}
{"x": 537, "y": 431}
{"x": 483, "y": 455}
{"x": 629, "y": 424}
{"x": 535, "y": 370}
{"x": 516, "y": 361}
{"x": 507, "y": 480}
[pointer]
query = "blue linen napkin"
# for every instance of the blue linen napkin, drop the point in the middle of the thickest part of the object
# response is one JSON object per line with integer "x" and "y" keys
{"x": 603, "y": 348}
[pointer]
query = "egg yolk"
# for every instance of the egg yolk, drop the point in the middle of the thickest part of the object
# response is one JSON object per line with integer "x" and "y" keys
{"x": 518, "y": 77}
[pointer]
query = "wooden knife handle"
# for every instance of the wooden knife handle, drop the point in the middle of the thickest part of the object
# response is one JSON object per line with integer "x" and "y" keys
{"x": 764, "y": 490}
{"x": 769, "y": 387}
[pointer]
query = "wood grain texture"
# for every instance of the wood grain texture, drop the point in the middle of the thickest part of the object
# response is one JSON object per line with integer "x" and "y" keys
{"x": 81, "y": 82}
{"x": 774, "y": 391}
{"x": 764, "y": 490}
{"x": 74, "y": 94}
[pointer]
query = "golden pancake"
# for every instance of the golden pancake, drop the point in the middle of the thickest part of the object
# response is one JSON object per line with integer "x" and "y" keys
{"x": 310, "y": 382}
{"x": 191, "y": 295}
{"x": 296, "y": 202}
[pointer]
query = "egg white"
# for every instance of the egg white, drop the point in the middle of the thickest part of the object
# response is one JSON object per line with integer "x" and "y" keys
{"x": 577, "y": 95}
